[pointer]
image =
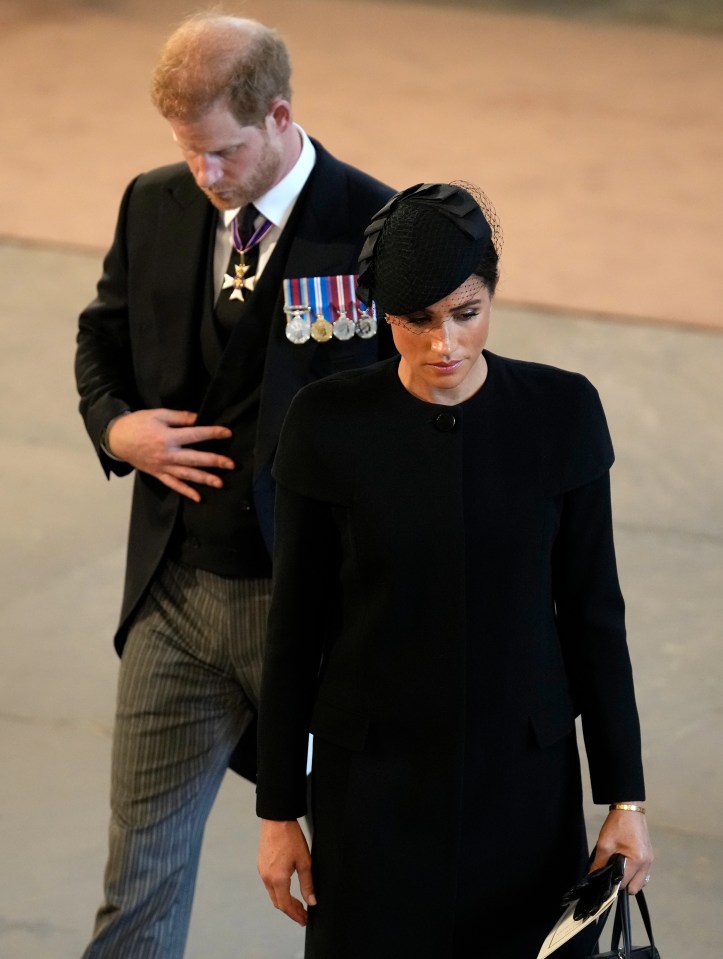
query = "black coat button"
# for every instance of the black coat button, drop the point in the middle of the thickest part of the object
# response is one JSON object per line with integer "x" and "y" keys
{"x": 445, "y": 421}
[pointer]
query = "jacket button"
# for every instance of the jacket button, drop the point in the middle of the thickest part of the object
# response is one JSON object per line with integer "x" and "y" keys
{"x": 445, "y": 422}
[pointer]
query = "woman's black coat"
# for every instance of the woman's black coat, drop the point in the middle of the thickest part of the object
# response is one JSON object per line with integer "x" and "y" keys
{"x": 424, "y": 821}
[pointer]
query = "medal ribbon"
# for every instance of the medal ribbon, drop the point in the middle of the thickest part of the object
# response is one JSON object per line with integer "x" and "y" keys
{"x": 340, "y": 295}
{"x": 370, "y": 309}
{"x": 321, "y": 298}
{"x": 295, "y": 300}
{"x": 304, "y": 294}
{"x": 256, "y": 237}
{"x": 353, "y": 311}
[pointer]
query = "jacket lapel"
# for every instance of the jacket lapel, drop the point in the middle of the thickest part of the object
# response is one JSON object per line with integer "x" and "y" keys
{"x": 324, "y": 206}
{"x": 185, "y": 233}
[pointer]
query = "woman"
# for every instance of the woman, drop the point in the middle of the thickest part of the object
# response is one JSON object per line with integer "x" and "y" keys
{"x": 446, "y": 602}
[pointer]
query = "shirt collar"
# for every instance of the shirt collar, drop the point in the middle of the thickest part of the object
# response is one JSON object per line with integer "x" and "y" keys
{"x": 277, "y": 203}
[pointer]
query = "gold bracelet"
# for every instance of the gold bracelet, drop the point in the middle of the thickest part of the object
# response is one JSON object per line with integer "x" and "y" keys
{"x": 627, "y": 806}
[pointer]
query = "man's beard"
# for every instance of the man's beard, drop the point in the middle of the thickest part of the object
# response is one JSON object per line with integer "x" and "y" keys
{"x": 232, "y": 194}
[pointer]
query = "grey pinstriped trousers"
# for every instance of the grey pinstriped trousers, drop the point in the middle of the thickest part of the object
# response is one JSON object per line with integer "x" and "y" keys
{"x": 188, "y": 687}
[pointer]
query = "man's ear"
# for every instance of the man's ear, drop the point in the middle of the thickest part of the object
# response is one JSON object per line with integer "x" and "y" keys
{"x": 279, "y": 115}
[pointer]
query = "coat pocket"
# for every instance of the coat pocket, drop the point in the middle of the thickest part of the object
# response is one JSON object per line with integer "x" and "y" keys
{"x": 551, "y": 721}
{"x": 339, "y": 726}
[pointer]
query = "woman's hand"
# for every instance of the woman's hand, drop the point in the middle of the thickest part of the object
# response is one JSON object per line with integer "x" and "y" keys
{"x": 627, "y": 833}
{"x": 283, "y": 851}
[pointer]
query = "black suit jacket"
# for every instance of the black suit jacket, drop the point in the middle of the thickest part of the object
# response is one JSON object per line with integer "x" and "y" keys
{"x": 138, "y": 341}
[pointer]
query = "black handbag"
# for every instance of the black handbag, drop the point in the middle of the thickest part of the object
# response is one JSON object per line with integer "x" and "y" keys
{"x": 622, "y": 929}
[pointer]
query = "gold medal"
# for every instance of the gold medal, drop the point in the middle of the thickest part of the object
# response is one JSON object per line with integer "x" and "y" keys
{"x": 321, "y": 329}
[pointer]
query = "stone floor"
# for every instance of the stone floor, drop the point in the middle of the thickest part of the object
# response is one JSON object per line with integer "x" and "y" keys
{"x": 63, "y": 530}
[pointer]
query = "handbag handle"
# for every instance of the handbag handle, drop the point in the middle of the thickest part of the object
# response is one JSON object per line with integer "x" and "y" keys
{"x": 622, "y": 923}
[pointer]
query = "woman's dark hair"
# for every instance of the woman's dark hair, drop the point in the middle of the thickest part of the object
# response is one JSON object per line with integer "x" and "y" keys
{"x": 488, "y": 269}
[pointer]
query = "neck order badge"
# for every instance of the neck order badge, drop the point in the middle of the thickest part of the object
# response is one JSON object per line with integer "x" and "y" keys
{"x": 245, "y": 239}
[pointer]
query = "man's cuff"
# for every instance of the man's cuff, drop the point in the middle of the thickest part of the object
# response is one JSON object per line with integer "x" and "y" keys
{"x": 104, "y": 436}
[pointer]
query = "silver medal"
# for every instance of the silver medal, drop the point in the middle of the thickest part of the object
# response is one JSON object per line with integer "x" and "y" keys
{"x": 344, "y": 328}
{"x": 366, "y": 325}
{"x": 298, "y": 328}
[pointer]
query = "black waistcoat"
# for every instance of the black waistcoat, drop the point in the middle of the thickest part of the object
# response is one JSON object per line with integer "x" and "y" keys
{"x": 221, "y": 533}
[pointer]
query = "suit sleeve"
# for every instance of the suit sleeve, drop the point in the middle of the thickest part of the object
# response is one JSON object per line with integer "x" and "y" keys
{"x": 591, "y": 623}
{"x": 103, "y": 361}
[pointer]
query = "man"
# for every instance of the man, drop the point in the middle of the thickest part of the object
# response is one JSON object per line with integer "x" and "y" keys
{"x": 186, "y": 363}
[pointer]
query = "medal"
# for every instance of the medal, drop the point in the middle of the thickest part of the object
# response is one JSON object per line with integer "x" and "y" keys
{"x": 321, "y": 327}
{"x": 321, "y": 330}
{"x": 343, "y": 328}
{"x": 366, "y": 320}
{"x": 366, "y": 325}
{"x": 323, "y": 308}
{"x": 298, "y": 311}
{"x": 240, "y": 281}
{"x": 298, "y": 329}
